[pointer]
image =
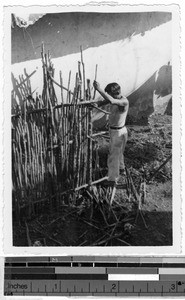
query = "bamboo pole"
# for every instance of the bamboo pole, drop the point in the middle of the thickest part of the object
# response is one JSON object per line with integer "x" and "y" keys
{"x": 88, "y": 90}
{"x": 25, "y": 79}
{"x": 62, "y": 144}
{"x": 100, "y": 109}
{"x": 144, "y": 192}
{"x": 73, "y": 126}
{"x": 89, "y": 142}
{"x": 28, "y": 235}
{"x": 92, "y": 183}
{"x": 78, "y": 169}
{"x": 132, "y": 186}
{"x": 65, "y": 139}
{"x": 95, "y": 78}
{"x": 85, "y": 144}
{"x": 75, "y": 121}
{"x": 160, "y": 167}
{"x": 61, "y": 86}
{"x": 68, "y": 86}
{"x": 82, "y": 159}
{"x": 43, "y": 109}
{"x": 80, "y": 80}
{"x": 44, "y": 73}
{"x": 21, "y": 89}
{"x": 83, "y": 74}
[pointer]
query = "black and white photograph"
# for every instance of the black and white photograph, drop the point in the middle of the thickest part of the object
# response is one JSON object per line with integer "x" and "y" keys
{"x": 94, "y": 141}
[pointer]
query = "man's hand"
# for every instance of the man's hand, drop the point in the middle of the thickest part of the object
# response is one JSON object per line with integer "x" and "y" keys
{"x": 96, "y": 85}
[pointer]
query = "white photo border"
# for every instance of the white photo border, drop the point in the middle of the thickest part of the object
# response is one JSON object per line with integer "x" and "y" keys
{"x": 9, "y": 249}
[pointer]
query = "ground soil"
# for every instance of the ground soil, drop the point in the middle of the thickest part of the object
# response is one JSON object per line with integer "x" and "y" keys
{"x": 93, "y": 222}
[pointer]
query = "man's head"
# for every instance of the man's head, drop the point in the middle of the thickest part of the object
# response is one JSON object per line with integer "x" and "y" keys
{"x": 114, "y": 90}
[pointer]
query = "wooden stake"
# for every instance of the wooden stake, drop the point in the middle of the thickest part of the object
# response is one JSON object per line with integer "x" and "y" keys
{"x": 160, "y": 167}
{"x": 83, "y": 72}
{"x": 68, "y": 86}
{"x": 28, "y": 235}
{"x": 95, "y": 78}
{"x": 61, "y": 85}
{"x": 92, "y": 183}
{"x": 80, "y": 81}
{"x": 113, "y": 194}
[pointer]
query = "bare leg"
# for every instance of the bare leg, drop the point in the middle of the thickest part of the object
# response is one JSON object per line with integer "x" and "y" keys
{"x": 121, "y": 157}
{"x": 117, "y": 143}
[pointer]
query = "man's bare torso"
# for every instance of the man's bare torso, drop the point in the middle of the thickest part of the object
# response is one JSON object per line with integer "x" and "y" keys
{"x": 118, "y": 115}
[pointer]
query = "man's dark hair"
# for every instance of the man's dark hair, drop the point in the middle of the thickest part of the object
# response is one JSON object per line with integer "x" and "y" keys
{"x": 113, "y": 88}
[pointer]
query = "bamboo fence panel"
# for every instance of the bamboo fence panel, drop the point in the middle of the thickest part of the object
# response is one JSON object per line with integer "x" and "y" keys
{"x": 52, "y": 145}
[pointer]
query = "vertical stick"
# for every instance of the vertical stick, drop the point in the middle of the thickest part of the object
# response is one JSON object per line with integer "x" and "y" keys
{"x": 97, "y": 167}
{"x": 144, "y": 191}
{"x": 79, "y": 146}
{"x": 79, "y": 139}
{"x": 88, "y": 90}
{"x": 83, "y": 68}
{"x": 85, "y": 152}
{"x": 62, "y": 137}
{"x": 90, "y": 145}
{"x": 75, "y": 132}
{"x": 82, "y": 166}
{"x": 65, "y": 142}
{"x": 61, "y": 83}
{"x": 68, "y": 86}
{"x": 95, "y": 78}
{"x": 80, "y": 81}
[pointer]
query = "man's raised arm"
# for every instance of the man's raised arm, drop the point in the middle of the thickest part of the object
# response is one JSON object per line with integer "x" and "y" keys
{"x": 109, "y": 99}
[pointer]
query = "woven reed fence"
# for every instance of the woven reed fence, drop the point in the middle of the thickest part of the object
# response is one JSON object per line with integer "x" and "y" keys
{"x": 54, "y": 154}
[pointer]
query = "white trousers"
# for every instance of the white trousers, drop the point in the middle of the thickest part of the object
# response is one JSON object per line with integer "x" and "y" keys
{"x": 118, "y": 139}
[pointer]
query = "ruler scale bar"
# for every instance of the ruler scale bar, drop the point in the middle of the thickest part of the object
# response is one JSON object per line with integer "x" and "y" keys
{"x": 94, "y": 276}
{"x": 139, "y": 294}
{"x": 95, "y": 286}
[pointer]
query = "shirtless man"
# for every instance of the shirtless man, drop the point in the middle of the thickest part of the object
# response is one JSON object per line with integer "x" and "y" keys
{"x": 118, "y": 131}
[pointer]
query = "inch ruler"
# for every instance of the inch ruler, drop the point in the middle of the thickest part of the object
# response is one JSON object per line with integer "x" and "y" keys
{"x": 94, "y": 276}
